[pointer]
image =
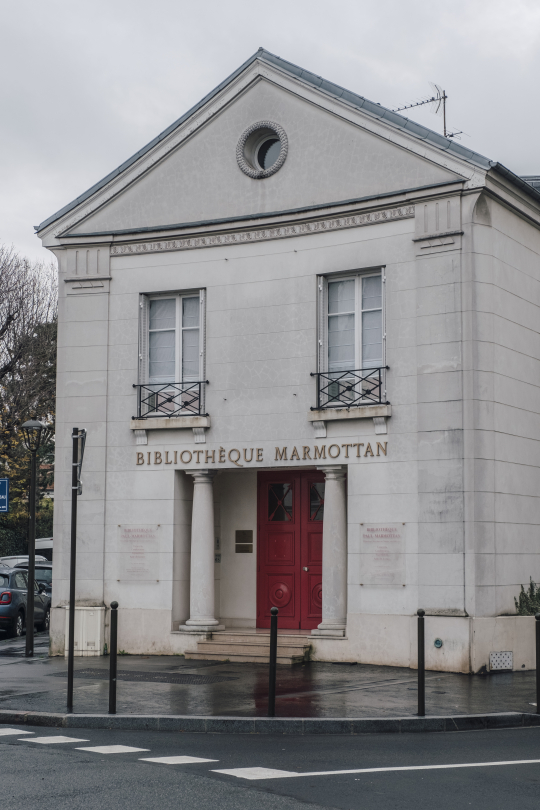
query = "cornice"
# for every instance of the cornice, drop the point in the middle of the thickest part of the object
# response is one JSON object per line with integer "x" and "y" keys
{"x": 326, "y": 225}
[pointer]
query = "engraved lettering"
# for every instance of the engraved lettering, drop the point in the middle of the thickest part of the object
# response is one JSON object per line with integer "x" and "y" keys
{"x": 167, "y": 457}
{"x": 236, "y": 460}
{"x": 207, "y": 457}
{"x": 222, "y": 455}
{"x": 306, "y": 451}
{"x": 294, "y": 454}
{"x": 182, "y": 456}
{"x": 176, "y": 456}
{"x": 380, "y": 447}
{"x": 140, "y": 458}
{"x": 281, "y": 455}
{"x": 358, "y": 446}
{"x": 368, "y": 450}
{"x": 259, "y": 453}
{"x": 346, "y": 446}
{"x": 149, "y": 454}
{"x": 330, "y": 450}
{"x": 320, "y": 452}
{"x": 198, "y": 453}
{"x": 157, "y": 457}
{"x": 245, "y": 455}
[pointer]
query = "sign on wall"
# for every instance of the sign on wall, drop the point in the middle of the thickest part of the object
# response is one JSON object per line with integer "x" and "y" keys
{"x": 382, "y": 546}
{"x": 4, "y": 495}
{"x": 138, "y": 553}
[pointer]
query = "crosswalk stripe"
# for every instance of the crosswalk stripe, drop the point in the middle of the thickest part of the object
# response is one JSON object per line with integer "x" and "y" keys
{"x": 179, "y": 760}
{"x": 6, "y": 732}
{"x": 269, "y": 773}
{"x": 52, "y": 740}
{"x": 111, "y": 749}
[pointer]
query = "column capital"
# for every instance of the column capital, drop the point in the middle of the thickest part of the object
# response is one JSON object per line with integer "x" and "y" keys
{"x": 334, "y": 472}
{"x": 202, "y": 476}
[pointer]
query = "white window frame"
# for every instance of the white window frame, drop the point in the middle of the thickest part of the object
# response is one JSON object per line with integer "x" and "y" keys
{"x": 323, "y": 347}
{"x": 144, "y": 338}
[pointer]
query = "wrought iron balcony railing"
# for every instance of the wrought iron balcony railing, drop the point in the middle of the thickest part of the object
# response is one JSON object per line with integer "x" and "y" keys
{"x": 170, "y": 399}
{"x": 350, "y": 389}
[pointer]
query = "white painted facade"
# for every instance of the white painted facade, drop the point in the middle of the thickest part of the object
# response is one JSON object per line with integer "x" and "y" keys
{"x": 453, "y": 465}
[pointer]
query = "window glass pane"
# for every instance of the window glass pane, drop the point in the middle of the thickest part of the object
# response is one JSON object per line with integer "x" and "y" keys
{"x": 316, "y": 501}
{"x": 190, "y": 354}
{"x": 372, "y": 292}
{"x": 161, "y": 356}
{"x": 190, "y": 311}
{"x": 280, "y": 502}
{"x": 341, "y": 296}
{"x": 372, "y": 339}
{"x": 163, "y": 313}
{"x": 20, "y": 581}
{"x": 44, "y": 575}
{"x": 4, "y": 581}
{"x": 341, "y": 355}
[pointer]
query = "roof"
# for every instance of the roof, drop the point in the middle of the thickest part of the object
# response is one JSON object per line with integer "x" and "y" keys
{"x": 353, "y": 99}
{"x": 532, "y": 180}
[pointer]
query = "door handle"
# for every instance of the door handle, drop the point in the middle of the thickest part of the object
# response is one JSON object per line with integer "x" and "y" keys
{"x": 305, "y": 569}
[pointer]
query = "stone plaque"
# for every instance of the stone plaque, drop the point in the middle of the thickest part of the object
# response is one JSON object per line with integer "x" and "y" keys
{"x": 138, "y": 557}
{"x": 382, "y": 548}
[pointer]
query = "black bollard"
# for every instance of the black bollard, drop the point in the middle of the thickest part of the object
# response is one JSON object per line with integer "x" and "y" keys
{"x": 273, "y": 662}
{"x": 537, "y": 623}
{"x": 421, "y": 665}
{"x": 113, "y": 655}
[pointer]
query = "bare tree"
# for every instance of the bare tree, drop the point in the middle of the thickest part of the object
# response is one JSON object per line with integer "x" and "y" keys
{"x": 28, "y": 299}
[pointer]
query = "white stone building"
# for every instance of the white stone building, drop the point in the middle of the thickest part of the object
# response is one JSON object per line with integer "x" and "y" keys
{"x": 295, "y": 296}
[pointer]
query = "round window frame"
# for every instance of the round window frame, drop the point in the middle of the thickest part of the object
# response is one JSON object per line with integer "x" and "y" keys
{"x": 251, "y": 141}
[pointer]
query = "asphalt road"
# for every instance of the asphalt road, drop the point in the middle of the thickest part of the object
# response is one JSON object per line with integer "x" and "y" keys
{"x": 63, "y": 775}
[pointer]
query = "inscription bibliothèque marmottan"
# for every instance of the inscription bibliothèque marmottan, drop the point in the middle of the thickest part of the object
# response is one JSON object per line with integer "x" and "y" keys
{"x": 248, "y": 455}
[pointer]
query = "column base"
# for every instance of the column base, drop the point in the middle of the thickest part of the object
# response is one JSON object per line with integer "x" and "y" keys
{"x": 329, "y": 633}
{"x": 330, "y": 629}
{"x": 200, "y": 628}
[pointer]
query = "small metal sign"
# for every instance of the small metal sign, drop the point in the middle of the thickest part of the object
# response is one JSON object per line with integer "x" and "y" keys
{"x": 4, "y": 495}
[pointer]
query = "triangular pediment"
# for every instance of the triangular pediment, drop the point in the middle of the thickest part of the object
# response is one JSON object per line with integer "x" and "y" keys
{"x": 335, "y": 153}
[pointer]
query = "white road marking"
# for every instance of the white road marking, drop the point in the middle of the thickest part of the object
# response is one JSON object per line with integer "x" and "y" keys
{"x": 51, "y": 740}
{"x": 111, "y": 749}
{"x": 176, "y": 760}
{"x": 269, "y": 773}
{"x": 6, "y": 732}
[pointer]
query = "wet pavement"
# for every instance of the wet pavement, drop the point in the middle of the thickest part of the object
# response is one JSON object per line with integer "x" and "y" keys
{"x": 172, "y": 685}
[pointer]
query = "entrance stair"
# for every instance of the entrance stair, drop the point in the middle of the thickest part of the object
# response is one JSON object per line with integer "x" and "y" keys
{"x": 251, "y": 647}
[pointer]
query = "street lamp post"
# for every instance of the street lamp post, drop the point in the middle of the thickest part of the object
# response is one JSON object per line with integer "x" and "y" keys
{"x": 32, "y": 439}
{"x": 78, "y": 438}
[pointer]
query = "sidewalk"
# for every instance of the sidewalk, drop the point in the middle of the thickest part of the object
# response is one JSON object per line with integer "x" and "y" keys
{"x": 170, "y": 685}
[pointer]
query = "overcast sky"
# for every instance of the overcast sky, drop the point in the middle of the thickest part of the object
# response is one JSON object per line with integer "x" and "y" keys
{"x": 86, "y": 83}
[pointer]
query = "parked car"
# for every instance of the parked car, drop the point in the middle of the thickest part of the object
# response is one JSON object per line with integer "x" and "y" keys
{"x": 20, "y": 558}
{"x": 13, "y": 602}
{"x": 43, "y": 574}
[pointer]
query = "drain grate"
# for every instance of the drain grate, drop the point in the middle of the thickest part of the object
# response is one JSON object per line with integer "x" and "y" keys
{"x": 149, "y": 677}
{"x": 501, "y": 660}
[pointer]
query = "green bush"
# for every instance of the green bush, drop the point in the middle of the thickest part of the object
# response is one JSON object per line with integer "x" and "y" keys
{"x": 529, "y": 600}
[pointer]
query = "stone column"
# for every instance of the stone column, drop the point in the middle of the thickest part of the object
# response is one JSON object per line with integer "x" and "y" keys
{"x": 201, "y": 596}
{"x": 334, "y": 567}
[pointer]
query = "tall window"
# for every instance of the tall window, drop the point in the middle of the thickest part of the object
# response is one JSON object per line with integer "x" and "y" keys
{"x": 174, "y": 353}
{"x": 351, "y": 340}
{"x": 355, "y": 333}
{"x": 171, "y": 355}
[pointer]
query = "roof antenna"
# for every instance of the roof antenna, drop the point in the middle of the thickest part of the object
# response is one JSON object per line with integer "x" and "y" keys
{"x": 438, "y": 99}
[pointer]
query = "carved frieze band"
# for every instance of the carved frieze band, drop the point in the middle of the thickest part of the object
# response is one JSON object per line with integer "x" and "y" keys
{"x": 281, "y": 232}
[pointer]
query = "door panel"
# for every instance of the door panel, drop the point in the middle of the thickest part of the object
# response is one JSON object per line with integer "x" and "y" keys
{"x": 290, "y": 515}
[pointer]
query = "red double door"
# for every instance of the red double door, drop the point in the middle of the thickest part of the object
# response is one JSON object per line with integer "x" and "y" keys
{"x": 289, "y": 555}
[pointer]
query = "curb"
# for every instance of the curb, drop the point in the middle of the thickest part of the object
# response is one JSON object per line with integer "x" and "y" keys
{"x": 273, "y": 725}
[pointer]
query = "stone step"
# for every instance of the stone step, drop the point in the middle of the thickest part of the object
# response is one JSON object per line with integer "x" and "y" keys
{"x": 245, "y": 648}
{"x": 259, "y": 638}
{"x": 248, "y": 657}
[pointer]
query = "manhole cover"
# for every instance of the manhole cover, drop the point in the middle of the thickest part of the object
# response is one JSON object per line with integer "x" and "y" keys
{"x": 148, "y": 677}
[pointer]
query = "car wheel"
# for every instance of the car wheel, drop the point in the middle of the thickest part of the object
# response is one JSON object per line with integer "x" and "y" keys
{"x": 18, "y": 625}
{"x": 44, "y": 625}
